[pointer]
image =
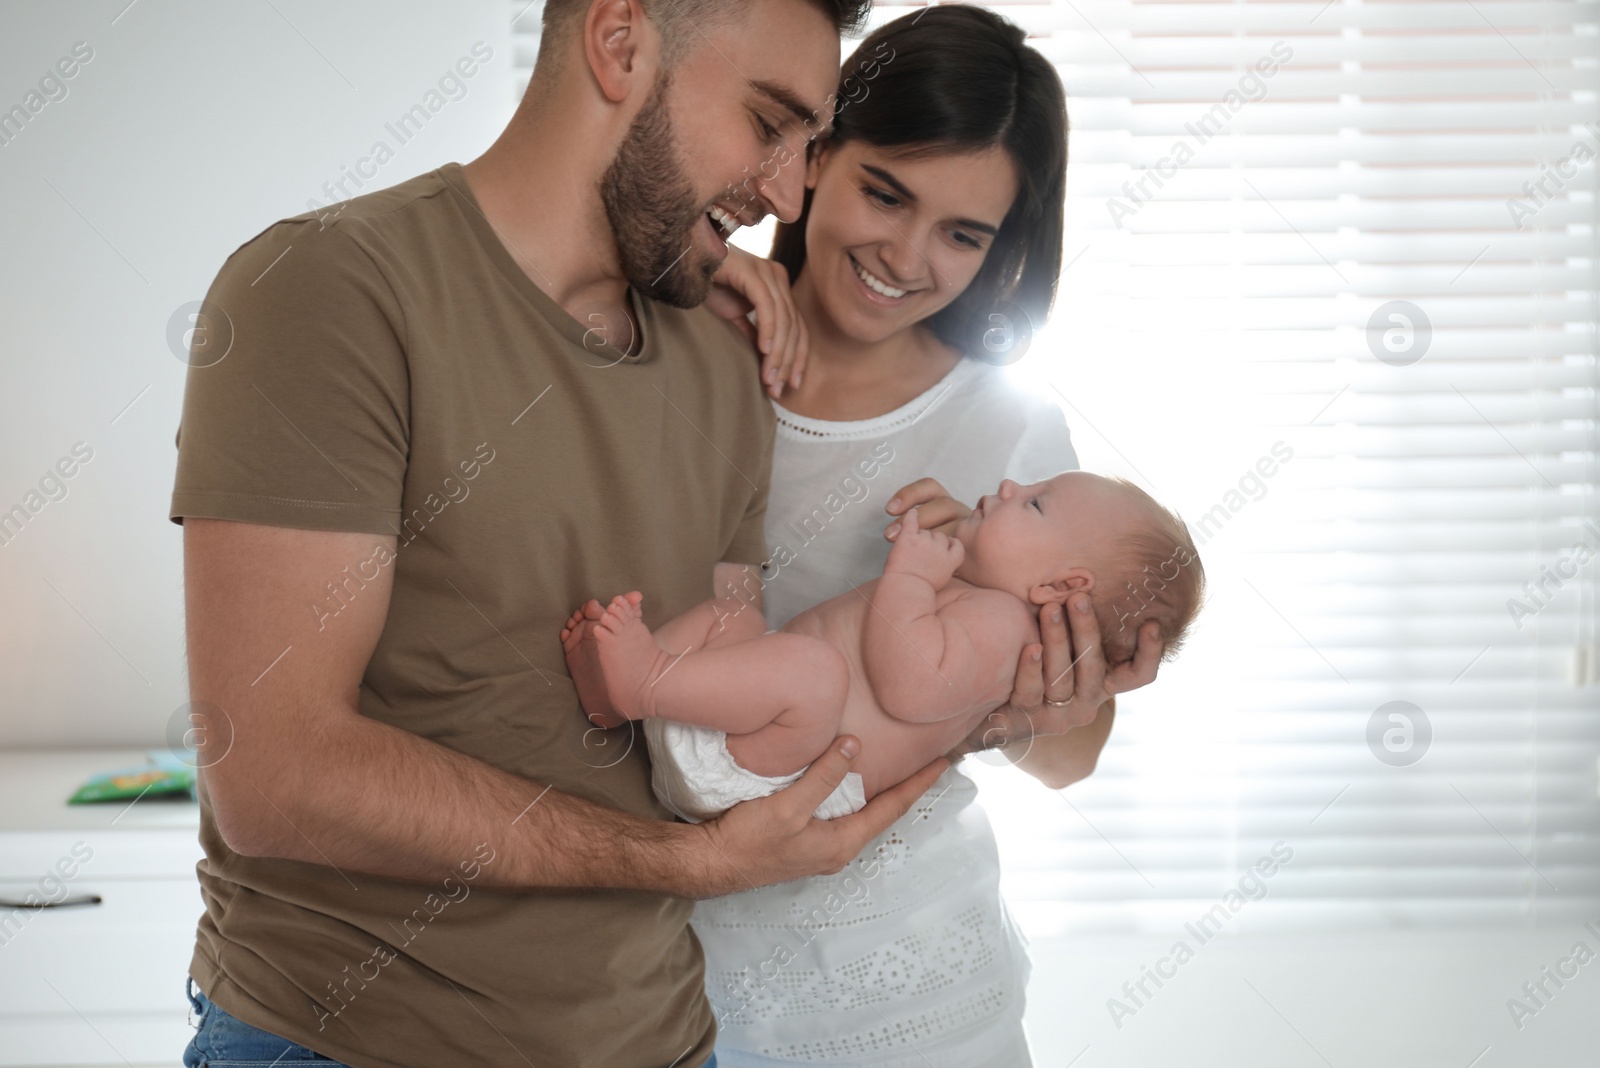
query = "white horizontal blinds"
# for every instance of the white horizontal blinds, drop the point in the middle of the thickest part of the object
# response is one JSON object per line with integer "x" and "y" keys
{"x": 1215, "y": 318}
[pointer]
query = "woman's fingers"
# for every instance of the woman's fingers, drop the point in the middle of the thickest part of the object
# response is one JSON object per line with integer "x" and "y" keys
{"x": 783, "y": 336}
{"x": 746, "y": 283}
{"x": 936, "y": 509}
{"x": 799, "y": 336}
{"x": 1027, "y": 691}
{"x": 726, "y": 302}
{"x": 1059, "y": 681}
{"x": 1089, "y": 666}
{"x": 784, "y": 326}
{"x": 914, "y": 493}
{"x": 802, "y": 352}
{"x": 1141, "y": 670}
{"x": 756, "y": 292}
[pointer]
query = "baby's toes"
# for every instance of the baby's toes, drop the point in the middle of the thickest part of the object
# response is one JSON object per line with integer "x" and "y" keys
{"x": 625, "y": 607}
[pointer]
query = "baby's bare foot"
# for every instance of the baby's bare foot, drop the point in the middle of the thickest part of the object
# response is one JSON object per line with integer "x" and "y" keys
{"x": 583, "y": 664}
{"x": 630, "y": 659}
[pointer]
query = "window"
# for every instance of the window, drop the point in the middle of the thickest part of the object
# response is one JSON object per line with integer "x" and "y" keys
{"x": 1332, "y": 295}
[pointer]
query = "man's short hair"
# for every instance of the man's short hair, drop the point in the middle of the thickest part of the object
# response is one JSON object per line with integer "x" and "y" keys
{"x": 680, "y": 23}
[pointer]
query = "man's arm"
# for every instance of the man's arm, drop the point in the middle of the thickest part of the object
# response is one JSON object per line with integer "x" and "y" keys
{"x": 293, "y": 770}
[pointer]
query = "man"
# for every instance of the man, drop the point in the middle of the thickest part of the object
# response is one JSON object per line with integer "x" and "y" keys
{"x": 424, "y": 447}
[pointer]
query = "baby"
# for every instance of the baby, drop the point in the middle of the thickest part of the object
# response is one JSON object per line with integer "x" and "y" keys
{"x": 910, "y": 663}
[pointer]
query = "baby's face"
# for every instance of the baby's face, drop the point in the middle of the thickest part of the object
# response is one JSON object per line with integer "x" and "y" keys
{"x": 1044, "y": 541}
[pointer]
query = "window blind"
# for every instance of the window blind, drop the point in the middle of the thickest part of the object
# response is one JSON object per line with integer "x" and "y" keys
{"x": 1333, "y": 296}
{"x": 1330, "y": 292}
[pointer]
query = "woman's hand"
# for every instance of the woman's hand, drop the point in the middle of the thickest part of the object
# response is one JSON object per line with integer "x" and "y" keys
{"x": 1060, "y": 683}
{"x": 936, "y": 509}
{"x": 746, "y": 282}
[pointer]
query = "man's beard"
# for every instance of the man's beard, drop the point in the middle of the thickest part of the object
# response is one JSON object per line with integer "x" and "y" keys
{"x": 652, "y": 209}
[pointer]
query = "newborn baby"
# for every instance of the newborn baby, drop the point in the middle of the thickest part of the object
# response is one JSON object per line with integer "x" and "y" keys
{"x": 910, "y": 663}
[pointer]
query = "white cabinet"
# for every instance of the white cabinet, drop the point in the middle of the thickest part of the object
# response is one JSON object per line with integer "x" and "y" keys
{"x": 100, "y": 982}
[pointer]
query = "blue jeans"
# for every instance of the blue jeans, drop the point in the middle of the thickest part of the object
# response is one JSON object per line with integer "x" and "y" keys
{"x": 223, "y": 1040}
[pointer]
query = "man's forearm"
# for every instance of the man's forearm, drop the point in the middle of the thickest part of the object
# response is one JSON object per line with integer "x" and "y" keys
{"x": 368, "y": 797}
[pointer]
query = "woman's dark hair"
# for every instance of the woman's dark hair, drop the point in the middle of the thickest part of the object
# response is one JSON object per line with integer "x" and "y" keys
{"x": 953, "y": 79}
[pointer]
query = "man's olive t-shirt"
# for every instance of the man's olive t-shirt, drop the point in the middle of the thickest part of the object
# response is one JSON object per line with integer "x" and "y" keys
{"x": 389, "y": 368}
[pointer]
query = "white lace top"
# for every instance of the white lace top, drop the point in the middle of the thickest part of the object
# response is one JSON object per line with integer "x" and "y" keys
{"x": 907, "y": 958}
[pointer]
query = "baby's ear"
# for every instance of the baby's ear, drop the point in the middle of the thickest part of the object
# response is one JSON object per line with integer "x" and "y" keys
{"x": 1072, "y": 580}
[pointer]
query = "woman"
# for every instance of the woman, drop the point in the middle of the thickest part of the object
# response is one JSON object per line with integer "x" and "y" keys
{"x": 936, "y": 206}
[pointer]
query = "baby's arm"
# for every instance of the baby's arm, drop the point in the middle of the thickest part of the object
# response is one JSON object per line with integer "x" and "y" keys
{"x": 926, "y": 663}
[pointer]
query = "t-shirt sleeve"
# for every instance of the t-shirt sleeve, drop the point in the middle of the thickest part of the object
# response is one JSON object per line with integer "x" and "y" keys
{"x": 1045, "y": 447}
{"x": 749, "y": 544}
{"x": 303, "y": 420}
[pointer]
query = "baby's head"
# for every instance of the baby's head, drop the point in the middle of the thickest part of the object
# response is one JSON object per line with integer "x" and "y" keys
{"x": 1080, "y": 532}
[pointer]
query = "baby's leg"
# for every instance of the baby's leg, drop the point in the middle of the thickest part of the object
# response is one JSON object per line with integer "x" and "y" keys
{"x": 792, "y": 681}
{"x": 719, "y": 621}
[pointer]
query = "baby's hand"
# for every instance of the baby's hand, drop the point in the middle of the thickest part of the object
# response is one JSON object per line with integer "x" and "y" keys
{"x": 927, "y": 554}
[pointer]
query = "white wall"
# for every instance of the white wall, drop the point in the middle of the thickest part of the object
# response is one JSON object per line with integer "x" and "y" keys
{"x": 1392, "y": 999}
{"x": 192, "y": 127}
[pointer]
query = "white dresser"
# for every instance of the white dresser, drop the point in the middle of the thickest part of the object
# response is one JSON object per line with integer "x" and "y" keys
{"x": 93, "y": 984}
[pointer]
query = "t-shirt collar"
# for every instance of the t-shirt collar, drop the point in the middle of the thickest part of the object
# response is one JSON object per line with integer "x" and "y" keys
{"x": 587, "y": 336}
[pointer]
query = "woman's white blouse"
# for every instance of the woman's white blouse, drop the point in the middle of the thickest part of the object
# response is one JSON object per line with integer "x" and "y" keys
{"x": 907, "y": 958}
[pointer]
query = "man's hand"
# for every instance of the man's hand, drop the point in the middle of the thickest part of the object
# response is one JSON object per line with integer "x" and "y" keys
{"x": 927, "y": 554}
{"x": 776, "y": 838}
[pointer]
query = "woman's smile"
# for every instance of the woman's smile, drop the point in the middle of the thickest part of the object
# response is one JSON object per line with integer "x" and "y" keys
{"x": 875, "y": 288}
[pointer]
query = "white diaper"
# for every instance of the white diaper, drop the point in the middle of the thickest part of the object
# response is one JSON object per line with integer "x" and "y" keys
{"x": 696, "y": 777}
